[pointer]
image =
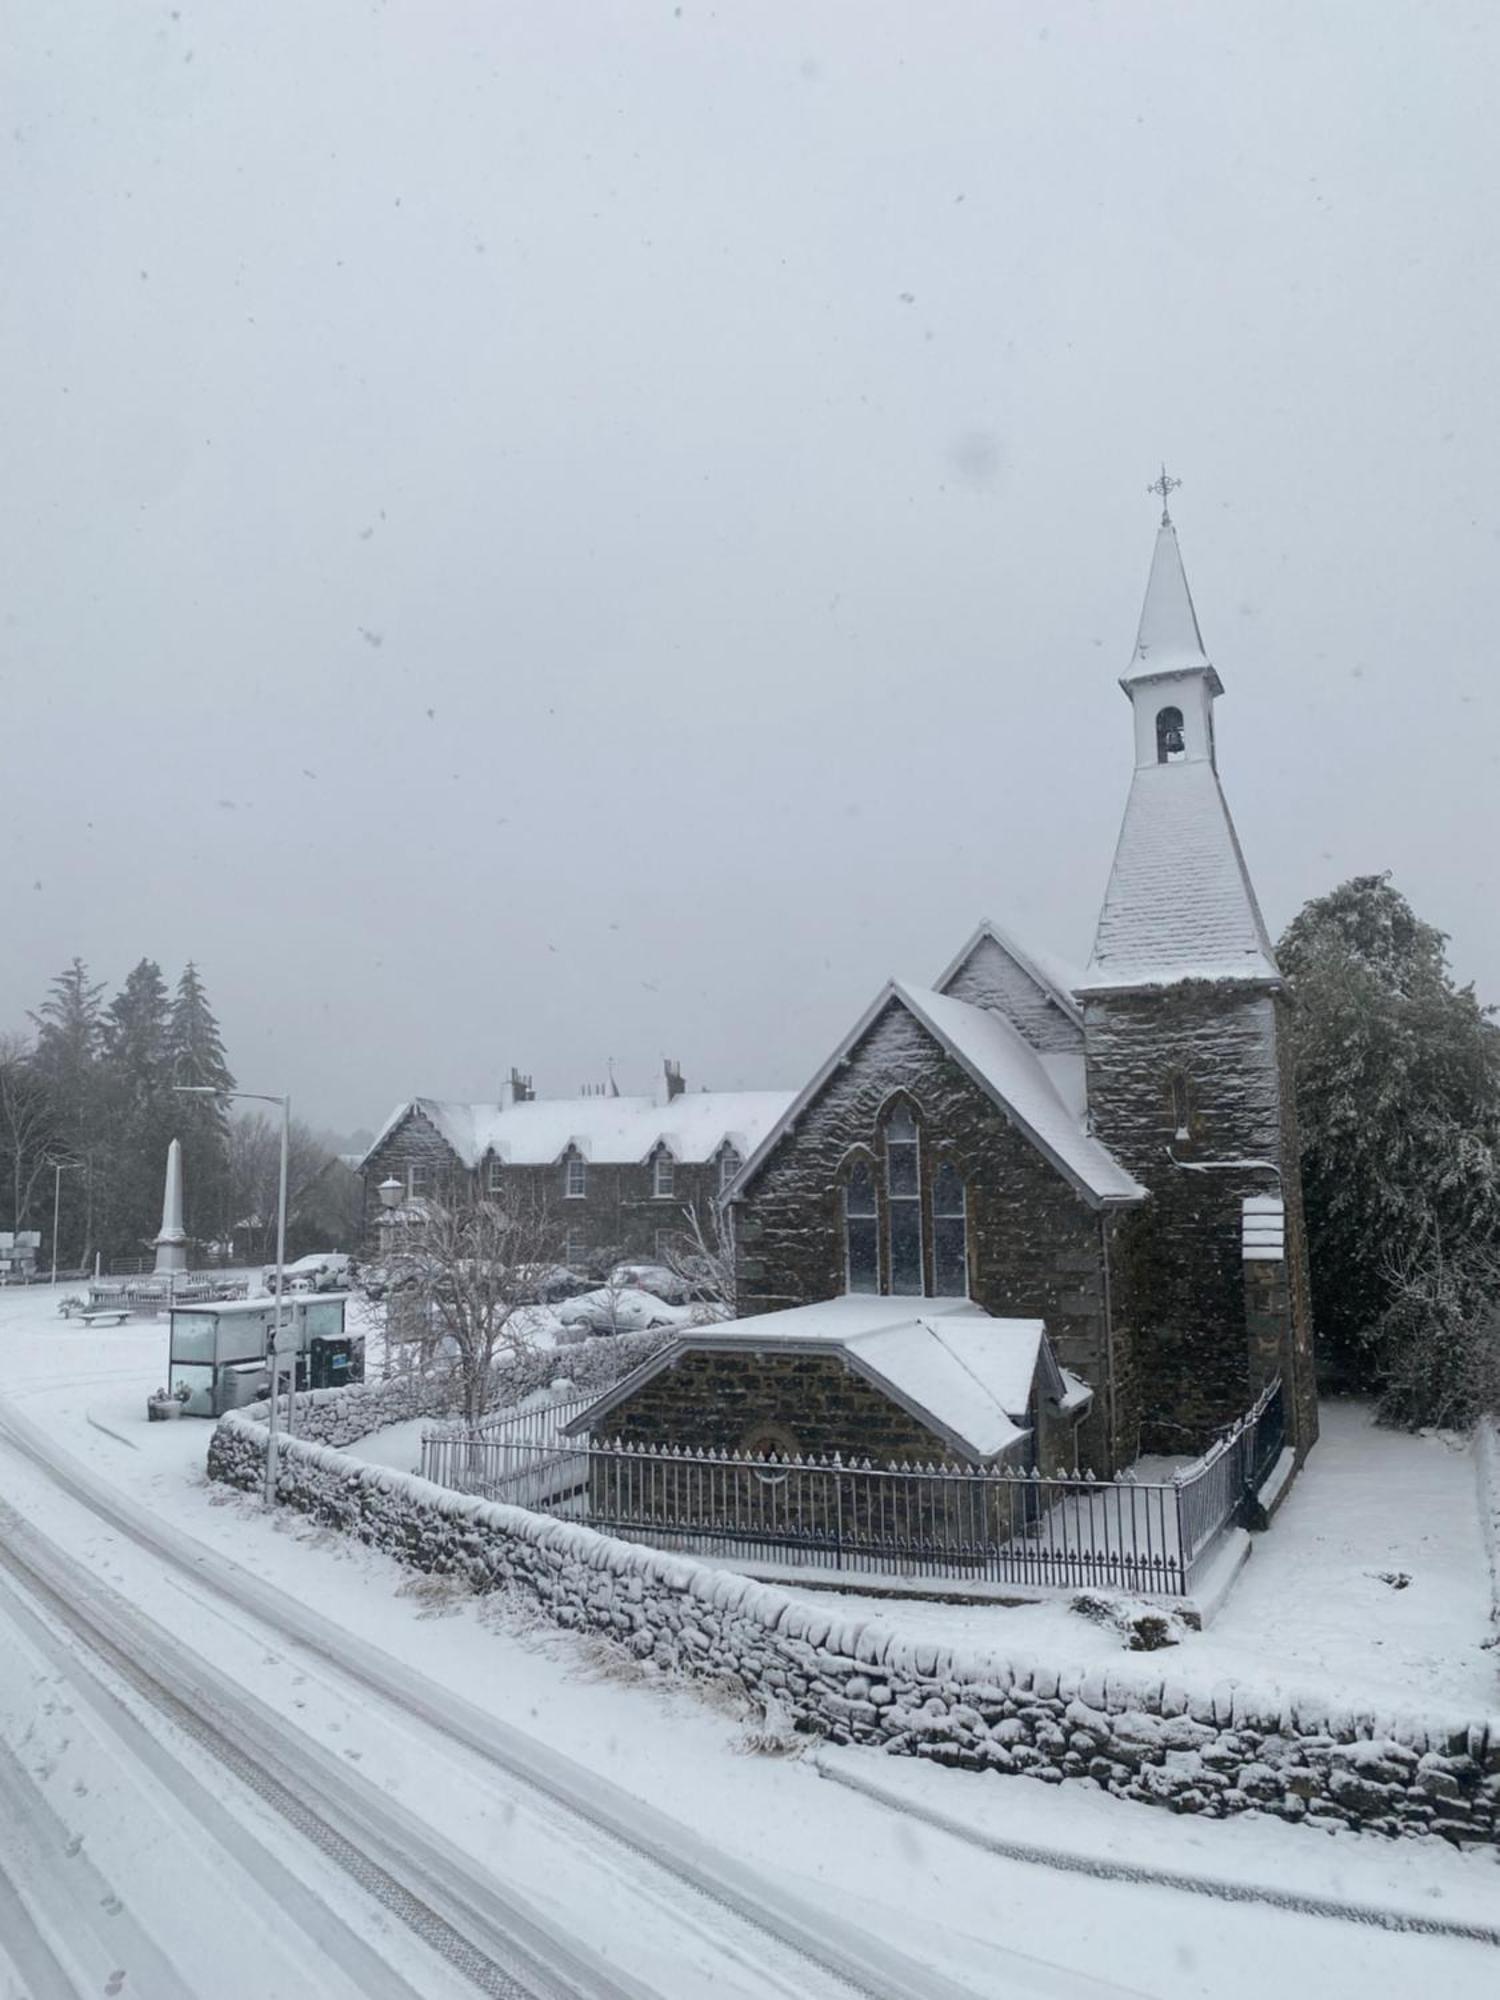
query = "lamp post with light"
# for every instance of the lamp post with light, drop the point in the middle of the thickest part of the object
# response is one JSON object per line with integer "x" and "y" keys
{"x": 262, "y": 1097}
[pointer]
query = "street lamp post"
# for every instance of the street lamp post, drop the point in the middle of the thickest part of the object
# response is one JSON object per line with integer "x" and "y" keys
{"x": 59, "y": 1168}
{"x": 262, "y": 1097}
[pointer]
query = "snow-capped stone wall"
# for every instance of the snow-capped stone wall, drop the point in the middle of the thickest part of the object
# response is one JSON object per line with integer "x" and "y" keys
{"x": 342, "y": 1416}
{"x": 1210, "y": 1749}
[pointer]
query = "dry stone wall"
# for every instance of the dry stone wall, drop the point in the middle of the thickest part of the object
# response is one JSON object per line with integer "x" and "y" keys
{"x": 341, "y": 1416}
{"x": 1216, "y": 1750}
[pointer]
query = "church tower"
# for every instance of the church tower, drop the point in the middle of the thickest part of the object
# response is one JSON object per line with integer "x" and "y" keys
{"x": 1189, "y": 1071}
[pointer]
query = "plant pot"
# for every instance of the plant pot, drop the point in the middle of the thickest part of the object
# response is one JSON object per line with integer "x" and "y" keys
{"x": 163, "y": 1410}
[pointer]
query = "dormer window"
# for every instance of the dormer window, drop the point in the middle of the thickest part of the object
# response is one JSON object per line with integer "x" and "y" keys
{"x": 1171, "y": 746}
{"x": 575, "y": 1177}
{"x": 495, "y": 1175}
{"x": 729, "y": 1165}
{"x": 663, "y": 1176}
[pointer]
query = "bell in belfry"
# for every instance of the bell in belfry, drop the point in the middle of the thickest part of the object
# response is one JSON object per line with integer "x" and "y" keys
{"x": 1171, "y": 740}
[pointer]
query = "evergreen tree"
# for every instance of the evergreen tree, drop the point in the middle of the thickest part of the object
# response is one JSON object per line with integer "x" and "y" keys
{"x": 69, "y": 1042}
{"x": 140, "y": 1111}
{"x": 195, "y": 1055}
{"x": 1398, "y": 1100}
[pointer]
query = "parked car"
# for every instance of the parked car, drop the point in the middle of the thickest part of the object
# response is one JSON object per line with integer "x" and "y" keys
{"x": 617, "y": 1309}
{"x": 653, "y": 1278}
{"x": 319, "y": 1271}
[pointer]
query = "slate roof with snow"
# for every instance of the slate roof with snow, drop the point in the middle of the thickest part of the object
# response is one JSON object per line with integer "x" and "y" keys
{"x": 1168, "y": 641}
{"x": 613, "y": 1130}
{"x": 1179, "y": 904}
{"x": 1042, "y": 1095}
{"x": 964, "y": 1375}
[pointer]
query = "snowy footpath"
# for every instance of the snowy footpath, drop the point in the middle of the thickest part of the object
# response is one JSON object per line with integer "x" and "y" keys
{"x": 955, "y": 1901}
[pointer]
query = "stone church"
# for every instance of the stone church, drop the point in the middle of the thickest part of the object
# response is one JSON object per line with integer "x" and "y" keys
{"x": 1111, "y": 1152}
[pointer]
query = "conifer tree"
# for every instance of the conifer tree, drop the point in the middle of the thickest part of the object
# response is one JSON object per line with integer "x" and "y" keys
{"x": 69, "y": 1043}
{"x": 195, "y": 1055}
{"x": 139, "y": 1108}
{"x": 1398, "y": 1104}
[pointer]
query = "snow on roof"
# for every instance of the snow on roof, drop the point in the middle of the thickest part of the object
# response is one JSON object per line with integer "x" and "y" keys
{"x": 617, "y": 1130}
{"x": 1168, "y": 640}
{"x": 966, "y": 1376}
{"x": 1051, "y": 975}
{"x": 1179, "y": 903}
{"x": 1045, "y": 1102}
{"x": 1020, "y": 1080}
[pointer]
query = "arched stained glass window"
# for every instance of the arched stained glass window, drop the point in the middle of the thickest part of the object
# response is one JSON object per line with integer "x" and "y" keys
{"x": 903, "y": 1190}
{"x": 950, "y": 1233}
{"x": 861, "y": 1230}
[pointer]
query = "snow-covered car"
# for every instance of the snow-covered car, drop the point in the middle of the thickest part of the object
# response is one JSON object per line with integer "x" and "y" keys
{"x": 319, "y": 1271}
{"x": 617, "y": 1309}
{"x": 653, "y": 1278}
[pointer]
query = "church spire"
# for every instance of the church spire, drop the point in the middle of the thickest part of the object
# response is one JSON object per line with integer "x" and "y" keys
{"x": 1179, "y": 903}
{"x": 1167, "y": 640}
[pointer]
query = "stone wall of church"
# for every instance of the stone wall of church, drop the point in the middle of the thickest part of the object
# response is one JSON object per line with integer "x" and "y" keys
{"x": 1177, "y": 1272}
{"x": 797, "y": 1405}
{"x": 990, "y": 977}
{"x": 1035, "y": 1247}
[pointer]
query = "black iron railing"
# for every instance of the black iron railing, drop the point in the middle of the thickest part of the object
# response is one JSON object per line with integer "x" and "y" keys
{"x": 943, "y": 1521}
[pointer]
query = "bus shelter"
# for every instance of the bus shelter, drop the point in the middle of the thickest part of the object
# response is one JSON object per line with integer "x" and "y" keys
{"x": 220, "y": 1352}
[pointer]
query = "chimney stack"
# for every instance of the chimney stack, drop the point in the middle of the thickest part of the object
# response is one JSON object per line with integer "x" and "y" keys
{"x": 521, "y": 1091}
{"x": 675, "y": 1084}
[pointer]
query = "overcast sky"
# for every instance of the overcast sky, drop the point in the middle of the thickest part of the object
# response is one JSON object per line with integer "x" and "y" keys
{"x": 542, "y": 532}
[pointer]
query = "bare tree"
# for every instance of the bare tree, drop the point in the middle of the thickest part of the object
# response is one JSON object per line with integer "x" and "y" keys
{"x": 701, "y": 1255}
{"x": 25, "y": 1125}
{"x": 254, "y": 1174}
{"x": 470, "y": 1280}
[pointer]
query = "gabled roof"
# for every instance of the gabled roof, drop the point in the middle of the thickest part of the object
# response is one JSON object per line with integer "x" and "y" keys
{"x": 1168, "y": 640}
{"x": 1052, "y": 979}
{"x": 623, "y": 1131}
{"x": 1004, "y": 1066}
{"x": 963, "y": 1375}
{"x": 1179, "y": 904}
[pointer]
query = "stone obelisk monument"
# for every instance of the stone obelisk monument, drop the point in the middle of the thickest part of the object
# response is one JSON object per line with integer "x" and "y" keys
{"x": 171, "y": 1244}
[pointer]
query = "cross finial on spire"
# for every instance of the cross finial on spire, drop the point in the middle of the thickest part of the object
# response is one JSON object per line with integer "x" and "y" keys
{"x": 1165, "y": 487}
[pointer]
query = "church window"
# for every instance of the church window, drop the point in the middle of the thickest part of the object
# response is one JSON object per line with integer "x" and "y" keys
{"x": 861, "y": 1230}
{"x": 1180, "y": 1108}
{"x": 950, "y": 1234}
{"x": 903, "y": 1189}
{"x": 1170, "y": 746}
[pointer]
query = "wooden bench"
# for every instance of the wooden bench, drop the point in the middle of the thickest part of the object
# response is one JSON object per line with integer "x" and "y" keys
{"x": 105, "y": 1316}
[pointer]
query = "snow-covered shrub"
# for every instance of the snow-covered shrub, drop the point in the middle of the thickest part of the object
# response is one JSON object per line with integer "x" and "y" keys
{"x": 1145, "y": 1627}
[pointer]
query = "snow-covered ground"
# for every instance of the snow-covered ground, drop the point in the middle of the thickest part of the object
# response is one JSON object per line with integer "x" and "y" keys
{"x": 1373, "y": 1580}
{"x": 998, "y": 1924}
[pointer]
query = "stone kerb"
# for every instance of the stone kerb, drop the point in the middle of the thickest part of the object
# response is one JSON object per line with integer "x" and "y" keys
{"x": 1218, "y": 1750}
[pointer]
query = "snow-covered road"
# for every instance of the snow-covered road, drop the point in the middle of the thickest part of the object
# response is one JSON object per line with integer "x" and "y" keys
{"x": 642, "y": 1910}
{"x": 510, "y": 1751}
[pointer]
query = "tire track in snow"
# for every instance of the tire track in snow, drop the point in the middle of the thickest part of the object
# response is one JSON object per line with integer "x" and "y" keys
{"x": 834, "y": 1946}
{"x": 496, "y": 1946}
